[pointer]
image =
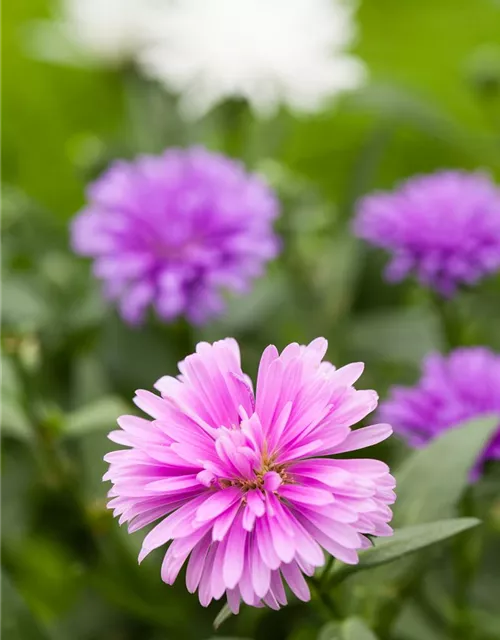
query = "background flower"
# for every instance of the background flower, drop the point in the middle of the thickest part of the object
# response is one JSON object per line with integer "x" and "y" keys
{"x": 173, "y": 230}
{"x": 443, "y": 227}
{"x": 241, "y": 483}
{"x": 110, "y": 32}
{"x": 268, "y": 52}
{"x": 452, "y": 389}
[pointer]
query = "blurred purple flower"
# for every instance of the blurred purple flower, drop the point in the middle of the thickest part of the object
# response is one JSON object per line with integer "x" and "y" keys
{"x": 243, "y": 484}
{"x": 443, "y": 227}
{"x": 452, "y": 389}
{"x": 171, "y": 231}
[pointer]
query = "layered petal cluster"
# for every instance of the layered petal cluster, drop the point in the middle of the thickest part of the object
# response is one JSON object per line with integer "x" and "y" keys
{"x": 172, "y": 231}
{"x": 453, "y": 388}
{"x": 444, "y": 228}
{"x": 248, "y": 488}
{"x": 268, "y": 52}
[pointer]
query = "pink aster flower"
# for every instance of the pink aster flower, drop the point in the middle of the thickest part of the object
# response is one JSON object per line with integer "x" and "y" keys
{"x": 249, "y": 486}
{"x": 453, "y": 388}
{"x": 173, "y": 232}
{"x": 444, "y": 228}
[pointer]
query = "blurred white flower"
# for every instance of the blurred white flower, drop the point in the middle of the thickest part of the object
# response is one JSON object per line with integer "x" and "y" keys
{"x": 94, "y": 31}
{"x": 268, "y": 52}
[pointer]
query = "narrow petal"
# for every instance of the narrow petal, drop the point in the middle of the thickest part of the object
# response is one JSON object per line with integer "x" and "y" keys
{"x": 296, "y": 581}
{"x": 364, "y": 437}
{"x": 235, "y": 554}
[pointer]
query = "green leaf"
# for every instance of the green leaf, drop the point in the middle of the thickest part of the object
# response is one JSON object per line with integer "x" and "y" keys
{"x": 17, "y": 619}
{"x": 222, "y": 616}
{"x": 398, "y": 335}
{"x": 406, "y": 541}
{"x": 350, "y": 629}
{"x": 431, "y": 481}
{"x": 14, "y": 421}
{"x": 96, "y": 416}
{"x": 356, "y": 629}
{"x": 331, "y": 631}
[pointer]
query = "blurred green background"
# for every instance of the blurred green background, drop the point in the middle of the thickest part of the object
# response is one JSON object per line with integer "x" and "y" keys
{"x": 70, "y": 366}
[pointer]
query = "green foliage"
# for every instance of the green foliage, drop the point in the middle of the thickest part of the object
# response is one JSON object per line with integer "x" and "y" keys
{"x": 350, "y": 629}
{"x": 404, "y": 542}
{"x": 431, "y": 481}
{"x": 97, "y": 416}
{"x": 17, "y": 619}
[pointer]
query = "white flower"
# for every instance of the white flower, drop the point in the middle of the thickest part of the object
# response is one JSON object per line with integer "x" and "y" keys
{"x": 96, "y": 31}
{"x": 269, "y": 52}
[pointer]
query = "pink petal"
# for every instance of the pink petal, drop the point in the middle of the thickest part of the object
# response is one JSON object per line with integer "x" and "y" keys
{"x": 217, "y": 503}
{"x": 256, "y": 502}
{"x": 265, "y": 543}
{"x": 364, "y": 437}
{"x": 306, "y": 495}
{"x": 235, "y": 554}
{"x": 261, "y": 574}
{"x": 272, "y": 481}
{"x": 196, "y": 564}
{"x": 296, "y": 581}
{"x": 347, "y": 376}
{"x": 224, "y": 521}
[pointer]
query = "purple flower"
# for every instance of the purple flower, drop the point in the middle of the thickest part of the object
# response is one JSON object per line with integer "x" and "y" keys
{"x": 452, "y": 389}
{"x": 443, "y": 227}
{"x": 241, "y": 483}
{"x": 171, "y": 231}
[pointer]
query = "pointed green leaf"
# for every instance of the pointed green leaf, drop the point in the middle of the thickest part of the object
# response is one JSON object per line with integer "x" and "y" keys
{"x": 100, "y": 415}
{"x": 406, "y": 541}
{"x": 431, "y": 481}
{"x": 222, "y": 616}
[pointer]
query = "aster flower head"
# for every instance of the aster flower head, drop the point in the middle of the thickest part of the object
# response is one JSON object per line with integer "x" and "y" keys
{"x": 444, "y": 228}
{"x": 249, "y": 486}
{"x": 453, "y": 388}
{"x": 269, "y": 52}
{"x": 172, "y": 231}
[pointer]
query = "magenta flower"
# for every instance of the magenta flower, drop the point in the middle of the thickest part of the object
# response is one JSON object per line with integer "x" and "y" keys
{"x": 452, "y": 389}
{"x": 445, "y": 228}
{"x": 241, "y": 482}
{"x": 172, "y": 231}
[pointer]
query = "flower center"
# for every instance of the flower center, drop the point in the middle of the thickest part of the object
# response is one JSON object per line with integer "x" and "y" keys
{"x": 268, "y": 478}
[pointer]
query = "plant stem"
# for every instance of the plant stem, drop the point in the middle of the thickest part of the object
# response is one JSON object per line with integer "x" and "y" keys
{"x": 466, "y": 552}
{"x": 328, "y": 605}
{"x": 327, "y": 572}
{"x": 451, "y": 322}
{"x": 235, "y": 120}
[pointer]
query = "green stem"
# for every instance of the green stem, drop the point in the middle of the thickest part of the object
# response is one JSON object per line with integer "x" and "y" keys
{"x": 327, "y": 604}
{"x": 451, "y": 322}
{"x": 235, "y": 121}
{"x": 466, "y": 552}
{"x": 327, "y": 572}
{"x": 61, "y": 487}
